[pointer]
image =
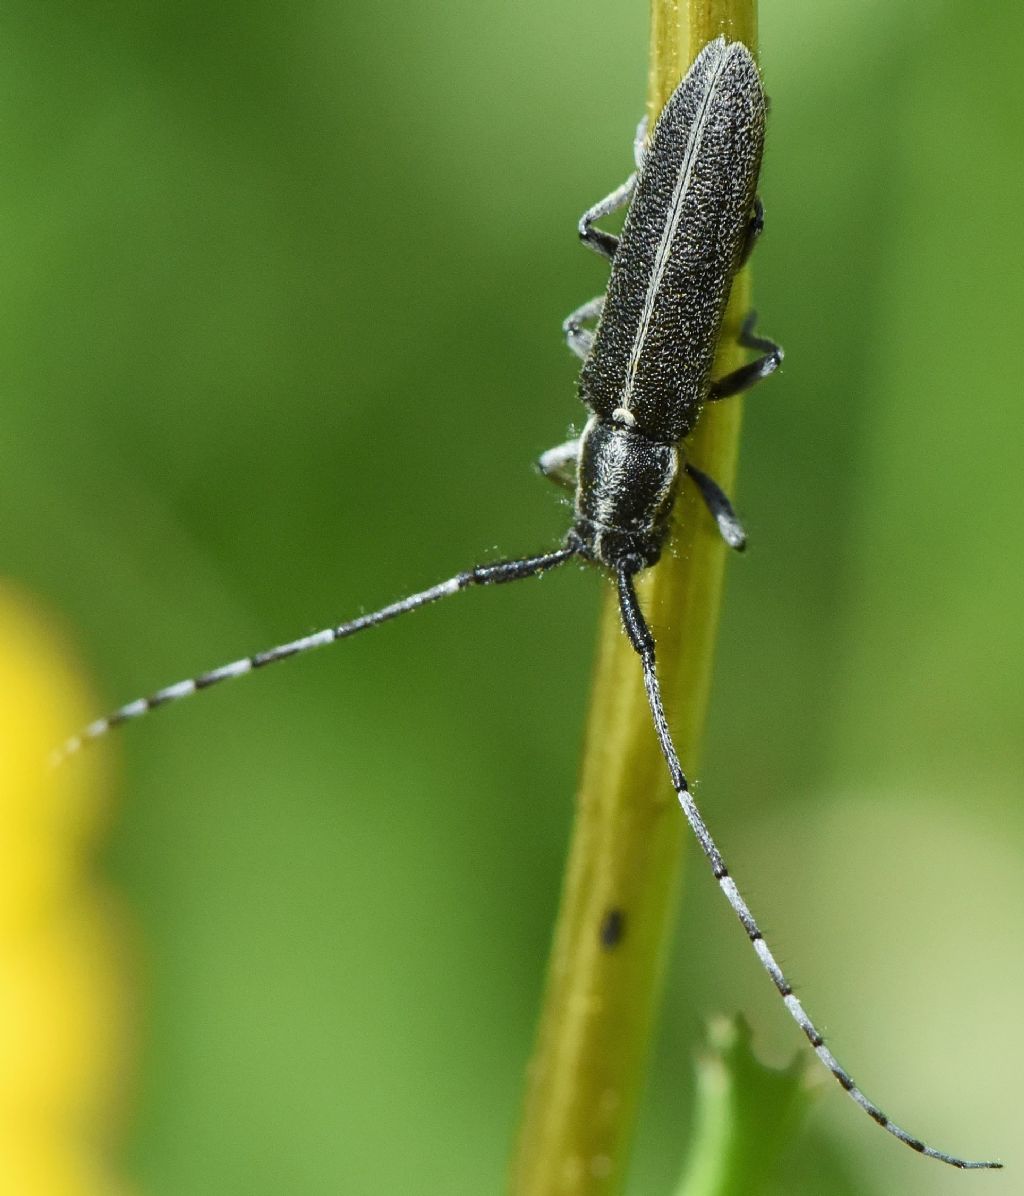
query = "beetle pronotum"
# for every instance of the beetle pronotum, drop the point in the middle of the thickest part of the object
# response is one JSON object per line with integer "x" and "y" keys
{"x": 693, "y": 218}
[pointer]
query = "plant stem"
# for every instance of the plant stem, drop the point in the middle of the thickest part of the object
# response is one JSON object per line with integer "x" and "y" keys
{"x": 588, "y": 1067}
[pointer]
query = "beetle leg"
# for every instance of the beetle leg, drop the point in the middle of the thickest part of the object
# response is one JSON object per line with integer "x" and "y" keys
{"x": 752, "y": 373}
{"x": 754, "y": 230}
{"x": 578, "y": 338}
{"x": 717, "y": 502}
{"x": 640, "y": 143}
{"x": 596, "y": 238}
{"x": 559, "y": 464}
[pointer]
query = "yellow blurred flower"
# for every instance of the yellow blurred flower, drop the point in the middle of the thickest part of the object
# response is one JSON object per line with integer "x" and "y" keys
{"x": 63, "y": 1001}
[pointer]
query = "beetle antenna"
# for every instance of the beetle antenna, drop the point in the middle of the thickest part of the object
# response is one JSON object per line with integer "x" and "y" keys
{"x": 643, "y": 642}
{"x": 479, "y": 575}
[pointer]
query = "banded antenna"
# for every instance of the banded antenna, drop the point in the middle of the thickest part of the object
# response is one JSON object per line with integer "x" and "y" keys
{"x": 480, "y": 575}
{"x": 642, "y": 641}
{"x": 694, "y": 217}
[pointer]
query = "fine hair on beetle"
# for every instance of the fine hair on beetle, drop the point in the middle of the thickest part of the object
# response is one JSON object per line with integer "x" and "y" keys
{"x": 647, "y": 347}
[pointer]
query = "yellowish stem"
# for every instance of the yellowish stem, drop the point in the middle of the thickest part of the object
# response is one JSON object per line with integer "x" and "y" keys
{"x": 589, "y": 1064}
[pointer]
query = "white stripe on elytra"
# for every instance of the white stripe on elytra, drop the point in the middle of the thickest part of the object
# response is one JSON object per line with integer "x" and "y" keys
{"x": 668, "y": 236}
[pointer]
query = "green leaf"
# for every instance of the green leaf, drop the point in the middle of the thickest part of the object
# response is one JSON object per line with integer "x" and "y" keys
{"x": 746, "y": 1115}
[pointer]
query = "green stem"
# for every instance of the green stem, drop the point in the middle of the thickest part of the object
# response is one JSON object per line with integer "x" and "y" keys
{"x": 589, "y": 1063}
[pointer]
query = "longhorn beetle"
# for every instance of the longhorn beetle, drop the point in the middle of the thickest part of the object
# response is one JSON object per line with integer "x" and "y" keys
{"x": 693, "y": 218}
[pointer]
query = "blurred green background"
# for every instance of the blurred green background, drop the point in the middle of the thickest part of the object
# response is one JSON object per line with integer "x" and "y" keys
{"x": 282, "y": 287}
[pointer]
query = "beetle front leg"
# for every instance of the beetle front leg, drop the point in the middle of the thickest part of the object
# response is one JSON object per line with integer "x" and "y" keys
{"x": 559, "y": 464}
{"x": 717, "y": 502}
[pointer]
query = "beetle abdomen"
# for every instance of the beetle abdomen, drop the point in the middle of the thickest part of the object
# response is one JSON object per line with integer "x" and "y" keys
{"x": 680, "y": 247}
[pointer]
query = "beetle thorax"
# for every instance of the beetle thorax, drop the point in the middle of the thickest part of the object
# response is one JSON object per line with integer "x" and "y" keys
{"x": 625, "y": 490}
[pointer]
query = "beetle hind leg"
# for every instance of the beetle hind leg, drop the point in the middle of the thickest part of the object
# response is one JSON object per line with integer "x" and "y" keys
{"x": 596, "y": 238}
{"x": 754, "y": 230}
